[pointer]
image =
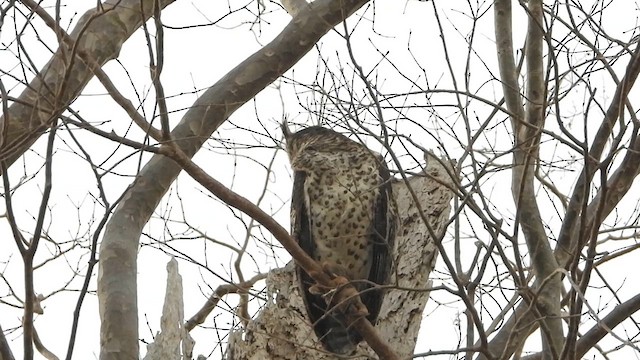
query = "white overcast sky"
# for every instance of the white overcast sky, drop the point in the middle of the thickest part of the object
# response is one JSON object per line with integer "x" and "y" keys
{"x": 194, "y": 60}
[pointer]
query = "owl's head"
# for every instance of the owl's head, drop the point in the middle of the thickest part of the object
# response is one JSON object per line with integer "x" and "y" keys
{"x": 318, "y": 139}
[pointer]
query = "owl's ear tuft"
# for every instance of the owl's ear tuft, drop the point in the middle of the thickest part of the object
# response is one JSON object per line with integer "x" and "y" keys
{"x": 285, "y": 129}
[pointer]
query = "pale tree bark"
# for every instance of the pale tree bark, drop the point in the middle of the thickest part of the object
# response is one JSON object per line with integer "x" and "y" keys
{"x": 173, "y": 341}
{"x": 527, "y": 134}
{"x": 98, "y": 37}
{"x": 282, "y": 329}
{"x": 527, "y": 124}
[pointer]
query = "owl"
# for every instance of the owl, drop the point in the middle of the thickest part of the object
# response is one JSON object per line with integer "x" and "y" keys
{"x": 343, "y": 215}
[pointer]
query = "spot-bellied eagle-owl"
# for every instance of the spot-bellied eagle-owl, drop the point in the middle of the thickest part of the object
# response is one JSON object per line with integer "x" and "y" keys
{"x": 343, "y": 215}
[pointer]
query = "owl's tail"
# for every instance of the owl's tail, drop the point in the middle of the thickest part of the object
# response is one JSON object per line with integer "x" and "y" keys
{"x": 335, "y": 336}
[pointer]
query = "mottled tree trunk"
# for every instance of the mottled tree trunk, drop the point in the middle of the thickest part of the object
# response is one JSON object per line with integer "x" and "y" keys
{"x": 282, "y": 330}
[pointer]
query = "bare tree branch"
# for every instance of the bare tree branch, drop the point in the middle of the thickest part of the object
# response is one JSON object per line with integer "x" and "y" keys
{"x": 527, "y": 127}
{"x": 212, "y": 302}
{"x": 526, "y": 155}
{"x": 62, "y": 79}
{"x": 568, "y": 238}
{"x": 95, "y": 68}
{"x": 117, "y": 280}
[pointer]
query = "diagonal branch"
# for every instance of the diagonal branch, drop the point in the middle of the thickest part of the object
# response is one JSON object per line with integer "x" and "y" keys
{"x": 117, "y": 286}
{"x": 567, "y": 239}
{"x": 62, "y": 79}
{"x": 95, "y": 68}
{"x": 217, "y": 295}
{"x": 346, "y": 291}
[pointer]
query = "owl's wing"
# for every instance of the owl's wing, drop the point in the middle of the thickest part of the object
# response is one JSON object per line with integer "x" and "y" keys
{"x": 328, "y": 327}
{"x": 300, "y": 222}
{"x": 382, "y": 238}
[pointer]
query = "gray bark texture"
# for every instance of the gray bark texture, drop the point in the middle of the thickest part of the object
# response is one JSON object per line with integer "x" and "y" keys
{"x": 282, "y": 330}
